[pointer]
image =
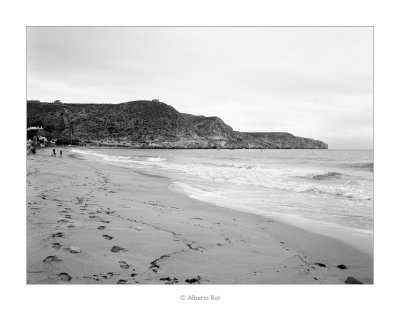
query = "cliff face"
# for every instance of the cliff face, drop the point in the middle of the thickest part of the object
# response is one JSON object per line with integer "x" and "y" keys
{"x": 150, "y": 124}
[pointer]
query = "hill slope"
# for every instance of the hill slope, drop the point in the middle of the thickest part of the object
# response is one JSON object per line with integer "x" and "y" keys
{"x": 150, "y": 124}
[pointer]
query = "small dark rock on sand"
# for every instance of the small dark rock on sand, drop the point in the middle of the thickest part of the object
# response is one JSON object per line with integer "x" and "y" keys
{"x": 101, "y": 227}
{"x": 107, "y": 237}
{"x": 320, "y": 264}
{"x": 351, "y": 280}
{"x": 194, "y": 280}
{"x": 343, "y": 267}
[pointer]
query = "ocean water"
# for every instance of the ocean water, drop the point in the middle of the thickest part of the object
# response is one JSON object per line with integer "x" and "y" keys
{"x": 326, "y": 191}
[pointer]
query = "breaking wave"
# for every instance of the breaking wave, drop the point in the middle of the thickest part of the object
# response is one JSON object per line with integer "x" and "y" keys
{"x": 314, "y": 181}
{"x": 363, "y": 166}
{"x": 326, "y": 176}
{"x": 123, "y": 160}
{"x": 157, "y": 159}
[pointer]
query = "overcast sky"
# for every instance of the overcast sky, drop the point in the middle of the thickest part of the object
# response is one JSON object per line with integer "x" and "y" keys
{"x": 311, "y": 82}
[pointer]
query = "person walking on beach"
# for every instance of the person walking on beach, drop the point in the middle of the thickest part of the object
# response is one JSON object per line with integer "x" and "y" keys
{"x": 60, "y": 153}
{"x": 54, "y": 153}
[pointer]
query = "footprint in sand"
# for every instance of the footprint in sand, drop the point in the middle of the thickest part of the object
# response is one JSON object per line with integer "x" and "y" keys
{"x": 97, "y": 277}
{"x": 56, "y": 245}
{"x": 110, "y": 274}
{"x": 107, "y": 237}
{"x": 50, "y": 259}
{"x": 123, "y": 265}
{"x": 101, "y": 227}
{"x": 351, "y": 280}
{"x": 169, "y": 280}
{"x": 64, "y": 276}
{"x": 57, "y": 235}
{"x": 116, "y": 249}
{"x": 63, "y": 220}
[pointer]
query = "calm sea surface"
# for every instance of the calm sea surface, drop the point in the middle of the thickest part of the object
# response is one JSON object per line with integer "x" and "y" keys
{"x": 327, "y": 191}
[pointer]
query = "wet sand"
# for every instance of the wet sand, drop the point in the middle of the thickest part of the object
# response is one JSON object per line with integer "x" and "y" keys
{"x": 91, "y": 223}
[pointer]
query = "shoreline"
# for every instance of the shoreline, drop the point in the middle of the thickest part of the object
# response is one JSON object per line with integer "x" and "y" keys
{"x": 105, "y": 146}
{"x": 361, "y": 239}
{"x": 163, "y": 236}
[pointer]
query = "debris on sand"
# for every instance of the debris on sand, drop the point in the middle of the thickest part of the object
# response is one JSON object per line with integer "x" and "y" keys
{"x": 74, "y": 249}
{"x": 343, "y": 267}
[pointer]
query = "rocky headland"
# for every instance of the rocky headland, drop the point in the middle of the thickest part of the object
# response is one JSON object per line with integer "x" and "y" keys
{"x": 150, "y": 124}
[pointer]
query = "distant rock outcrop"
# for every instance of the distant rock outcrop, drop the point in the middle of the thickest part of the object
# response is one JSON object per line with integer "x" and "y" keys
{"x": 150, "y": 124}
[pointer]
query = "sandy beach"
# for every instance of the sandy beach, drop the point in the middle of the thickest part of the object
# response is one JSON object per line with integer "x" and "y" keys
{"x": 93, "y": 223}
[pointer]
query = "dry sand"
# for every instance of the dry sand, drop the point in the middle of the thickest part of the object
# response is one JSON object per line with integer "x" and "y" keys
{"x": 91, "y": 223}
